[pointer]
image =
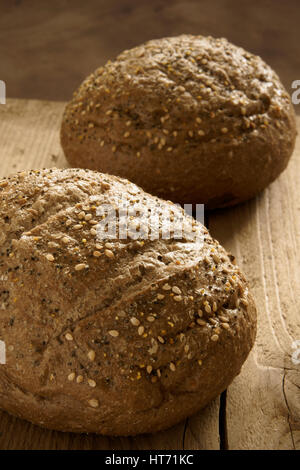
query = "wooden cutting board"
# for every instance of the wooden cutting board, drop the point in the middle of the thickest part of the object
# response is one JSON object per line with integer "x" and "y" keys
{"x": 261, "y": 409}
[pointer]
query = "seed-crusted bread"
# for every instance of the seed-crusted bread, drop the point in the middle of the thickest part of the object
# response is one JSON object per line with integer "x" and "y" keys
{"x": 116, "y": 337}
{"x": 192, "y": 119}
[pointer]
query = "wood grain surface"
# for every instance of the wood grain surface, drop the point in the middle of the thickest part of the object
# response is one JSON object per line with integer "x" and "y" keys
{"x": 261, "y": 409}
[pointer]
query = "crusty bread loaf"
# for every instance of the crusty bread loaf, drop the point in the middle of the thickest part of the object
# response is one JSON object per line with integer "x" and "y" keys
{"x": 189, "y": 118}
{"x": 117, "y": 337}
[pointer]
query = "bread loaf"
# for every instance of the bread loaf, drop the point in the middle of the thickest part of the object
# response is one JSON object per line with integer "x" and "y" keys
{"x": 112, "y": 336}
{"x": 192, "y": 119}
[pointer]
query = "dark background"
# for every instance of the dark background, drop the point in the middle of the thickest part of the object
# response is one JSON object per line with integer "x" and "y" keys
{"x": 48, "y": 47}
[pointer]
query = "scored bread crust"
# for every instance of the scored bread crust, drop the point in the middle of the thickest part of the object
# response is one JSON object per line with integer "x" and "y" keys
{"x": 193, "y": 119}
{"x": 118, "y": 337}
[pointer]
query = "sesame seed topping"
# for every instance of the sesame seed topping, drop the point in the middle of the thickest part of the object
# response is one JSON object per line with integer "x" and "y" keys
{"x": 91, "y": 355}
{"x": 80, "y": 267}
{"x": 150, "y": 318}
{"x": 97, "y": 254}
{"x": 149, "y": 369}
{"x": 92, "y": 383}
{"x": 177, "y": 298}
{"x": 50, "y": 257}
{"x": 172, "y": 366}
{"x": 166, "y": 287}
{"x": 160, "y": 296}
{"x": 160, "y": 339}
{"x": 69, "y": 337}
{"x": 207, "y": 308}
{"x": 214, "y": 338}
{"x": 114, "y": 333}
{"x": 65, "y": 240}
{"x": 71, "y": 376}
{"x": 141, "y": 330}
{"x": 176, "y": 290}
{"x": 135, "y": 321}
{"x": 94, "y": 403}
{"x": 109, "y": 253}
{"x": 79, "y": 379}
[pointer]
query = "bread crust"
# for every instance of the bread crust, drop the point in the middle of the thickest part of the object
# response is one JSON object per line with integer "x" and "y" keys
{"x": 192, "y": 119}
{"x": 142, "y": 336}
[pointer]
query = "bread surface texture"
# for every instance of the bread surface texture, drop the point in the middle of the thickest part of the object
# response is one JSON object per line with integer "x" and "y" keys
{"x": 192, "y": 119}
{"x": 112, "y": 336}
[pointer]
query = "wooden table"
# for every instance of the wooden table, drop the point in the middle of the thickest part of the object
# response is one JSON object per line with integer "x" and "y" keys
{"x": 261, "y": 409}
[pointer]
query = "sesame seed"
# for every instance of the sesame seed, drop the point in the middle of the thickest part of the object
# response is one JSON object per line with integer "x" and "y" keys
{"x": 91, "y": 355}
{"x": 216, "y": 258}
{"x": 71, "y": 376}
{"x": 135, "y": 321}
{"x": 97, "y": 254}
{"x": 176, "y": 290}
{"x": 79, "y": 379}
{"x": 224, "y": 130}
{"x": 141, "y": 330}
{"x": 177, "y": 298}
{"x": 65, "y": 240}
{"x": 77, "y": 227}
{"x": 126, "y": 134}
{"x": 191, "y": 133}
{"x": 50, "y": 257}
{"x": 172, "y": 366}
{"x": 160, "y": 296}
{"x": 201, "y": 322}
{"x": 202, "y": 133}
{"x": 207, "y": 308}
{"x": 128, "y": 123}
{"x": 81, "y": 215}
{"x": 214, "y": 338}
{"x": 199, "y": 362}
{"x": 151, "y": 318}
{"x": 244, "y": 302}
{"x": 94, "y": 403}
{"x": 149, "y": 369}
{"x": 160, "y": 339}
{"x": 215, "y": 307}
{"x": 186, "y": 348}
{"x": 92, "y": 383}
{"x": 88, "y": 217}
{"x": 166, "y": 287}
{"x": 114, "y": 333}
{"x": 109, "y": 253}
{"x": 69, "y": 337}
{"x": 80, "y": 267}
{"x": 225, "y": 325}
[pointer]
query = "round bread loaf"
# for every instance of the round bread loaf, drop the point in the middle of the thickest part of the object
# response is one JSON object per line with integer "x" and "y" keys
{"x": 112, "y": 336}
{"x": 192, "y": 119}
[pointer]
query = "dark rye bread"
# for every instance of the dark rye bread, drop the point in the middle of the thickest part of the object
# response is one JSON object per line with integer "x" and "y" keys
{"x": 192, "y": 119}
{"x": 118, "y": 337}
